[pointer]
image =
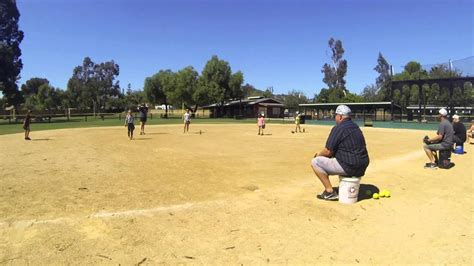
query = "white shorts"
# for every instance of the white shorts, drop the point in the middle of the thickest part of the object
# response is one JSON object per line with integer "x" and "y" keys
{"x": 329, "y": 166}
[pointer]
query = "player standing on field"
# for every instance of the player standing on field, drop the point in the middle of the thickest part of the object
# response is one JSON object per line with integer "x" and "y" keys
{"x": 143, "y": 112}
{"x": 129, "y": 119}
{"x": 187, "y": 120}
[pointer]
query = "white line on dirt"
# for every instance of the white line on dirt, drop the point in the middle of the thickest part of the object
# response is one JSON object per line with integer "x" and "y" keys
{"x": 105, "y": 215}
{"x": 145, "y": 212}
{"x": 27, "y": 223}
{"x": 391, "y": 162}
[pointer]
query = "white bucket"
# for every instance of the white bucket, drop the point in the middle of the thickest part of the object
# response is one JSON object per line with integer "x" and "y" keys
{"x": 348, "y": 189}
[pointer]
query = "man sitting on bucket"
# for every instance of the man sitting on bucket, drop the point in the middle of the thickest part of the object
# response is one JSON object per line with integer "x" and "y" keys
{"x": 345, "y": 153}
{"x": 442, "y": 141}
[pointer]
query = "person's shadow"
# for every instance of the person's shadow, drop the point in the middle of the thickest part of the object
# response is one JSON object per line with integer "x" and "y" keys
{"x": 365, "y": 191}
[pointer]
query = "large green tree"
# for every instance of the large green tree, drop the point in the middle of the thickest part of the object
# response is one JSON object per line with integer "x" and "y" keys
{"x": 92, "y": 84}
{"x": 215, "y": 79}
{"x": 10, "y": 52}
{"x": 134, "y": 98}
{"x": 249, "y": 90}
{"x": 160, "y": 88}
{"x": 186, "y": 84}
{"x": 407, "y": 95}
{"x": 48, "y": 98}
{"x": 32, "y": 85}
{"x": 235, "y": 85}
{"x": 322, "y": 96}
{"x": 214, "y": 83}
{"x": 369, "y": 94}
{"x": 335, "y": 72}
{"x": 294, "y": 98}
{"x": 383, "y": 80}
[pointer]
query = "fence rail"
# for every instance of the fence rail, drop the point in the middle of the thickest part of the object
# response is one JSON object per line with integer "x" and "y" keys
{"x": 52, "y": 117}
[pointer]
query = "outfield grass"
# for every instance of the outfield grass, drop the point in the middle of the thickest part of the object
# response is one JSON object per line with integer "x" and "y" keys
{"x": 80, "y": 122}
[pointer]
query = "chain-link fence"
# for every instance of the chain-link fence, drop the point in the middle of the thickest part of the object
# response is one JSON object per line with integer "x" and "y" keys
{"x": 465, "y": 66}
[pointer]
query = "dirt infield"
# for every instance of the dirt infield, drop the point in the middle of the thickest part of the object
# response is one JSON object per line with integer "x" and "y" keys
{"x": 91, "y": 196}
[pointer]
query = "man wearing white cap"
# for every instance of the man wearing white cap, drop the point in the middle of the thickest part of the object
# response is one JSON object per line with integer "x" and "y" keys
{"x": 459, "y": 131}
{"x": 345, "y": 153}
{"x": 442, "y": 141}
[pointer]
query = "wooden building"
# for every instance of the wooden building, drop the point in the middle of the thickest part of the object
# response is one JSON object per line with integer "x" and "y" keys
{"x": 247, "y": 108}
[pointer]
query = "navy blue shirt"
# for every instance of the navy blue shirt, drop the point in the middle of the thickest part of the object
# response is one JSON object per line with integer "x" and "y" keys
{"x": 143, "y": 110}
{"x": 460, "y": 131}
{"x": 347, "y": 144}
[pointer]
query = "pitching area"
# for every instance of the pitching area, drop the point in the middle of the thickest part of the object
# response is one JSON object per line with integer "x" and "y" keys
{"x": 223, "y": 194}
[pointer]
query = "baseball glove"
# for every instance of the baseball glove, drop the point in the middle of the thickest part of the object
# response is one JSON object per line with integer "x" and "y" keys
{"x": 426, "y": 140}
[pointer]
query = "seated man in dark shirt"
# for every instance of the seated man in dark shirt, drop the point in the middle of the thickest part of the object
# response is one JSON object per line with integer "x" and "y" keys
{"x": 459, "y": 131}
{"x": 442, "y": 141}
{"x": 345, "y": 153}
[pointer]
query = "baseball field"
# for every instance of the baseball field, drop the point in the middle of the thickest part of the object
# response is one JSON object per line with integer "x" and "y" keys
{"x": 224, "y": 195}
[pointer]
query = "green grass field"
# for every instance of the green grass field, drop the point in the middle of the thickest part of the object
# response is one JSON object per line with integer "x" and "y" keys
{"x": 80, "y": 122}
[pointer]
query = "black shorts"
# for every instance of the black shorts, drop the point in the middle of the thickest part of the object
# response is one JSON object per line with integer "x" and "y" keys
{"x": 131, "y": 127}
{"x": 143, "y": 119}
{"x": 26, "y": 127}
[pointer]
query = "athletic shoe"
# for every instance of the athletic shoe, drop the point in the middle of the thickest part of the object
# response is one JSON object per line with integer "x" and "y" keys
{"x": 431, "y": 166}
{"x": 331, "y": 196}
{"x": 28, "y": 138}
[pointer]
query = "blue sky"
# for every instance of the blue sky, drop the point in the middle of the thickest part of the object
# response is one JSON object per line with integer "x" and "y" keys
{"x": 283, "y": 44}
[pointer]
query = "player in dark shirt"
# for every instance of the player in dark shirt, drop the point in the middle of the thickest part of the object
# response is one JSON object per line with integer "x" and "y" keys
{"x": 442, "y": 141}
{"x": 26, "y": 125}
{"x": 459, "y": 131}
{"x": 345, "y": 153}
{"x": 143, "y": 112}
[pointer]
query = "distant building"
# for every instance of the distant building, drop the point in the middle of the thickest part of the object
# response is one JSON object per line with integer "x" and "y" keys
{"x": 248, "y": 108}
{"x": 413, "y": 112}
{"x": 372, "y": 110}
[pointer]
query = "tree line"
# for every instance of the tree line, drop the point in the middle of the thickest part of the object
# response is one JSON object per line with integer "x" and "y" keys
{"x": 336, "y": 91}
{"x": 94, "y": 86}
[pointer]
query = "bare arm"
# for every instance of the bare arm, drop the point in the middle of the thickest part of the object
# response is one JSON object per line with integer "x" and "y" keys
{"x": 438, "y": 138}
{"x": 325, "y": 152}
{"x": 470, "y": 129}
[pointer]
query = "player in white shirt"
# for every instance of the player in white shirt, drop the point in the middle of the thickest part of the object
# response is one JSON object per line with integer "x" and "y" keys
{"x": 187, "y": 120}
